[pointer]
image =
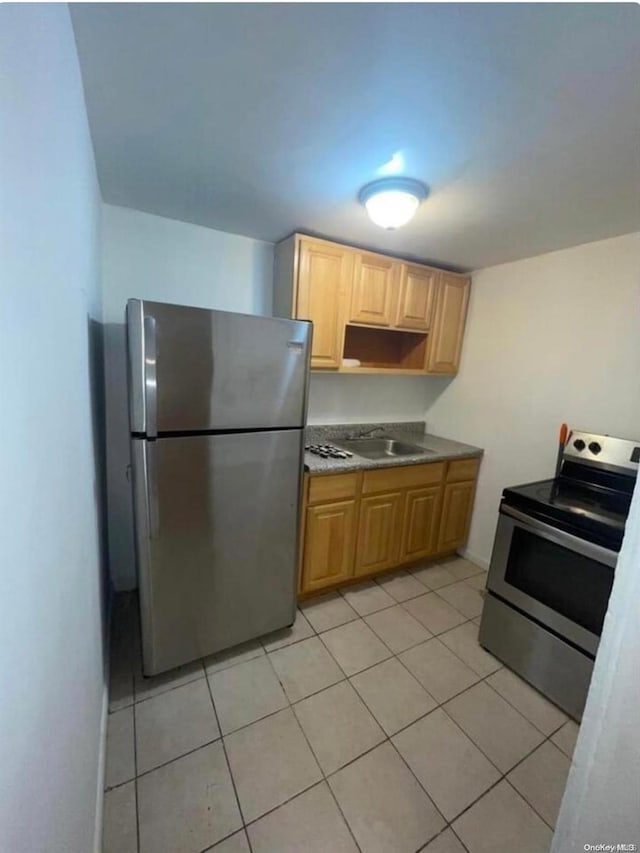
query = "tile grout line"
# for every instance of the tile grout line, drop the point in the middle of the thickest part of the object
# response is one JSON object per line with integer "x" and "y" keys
{"x": 228, "y": 763}
{"x": 325, "y": 778}
{"x": 291, "y": 703}
{"x": 308, "y": 742}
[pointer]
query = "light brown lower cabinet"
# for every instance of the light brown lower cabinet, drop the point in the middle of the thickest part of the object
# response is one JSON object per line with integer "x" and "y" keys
{"x": 360, "y": 523}
{"x": 456, "y": 515}
{"x": 421, "y": 517}
{"x": 379, "y": 529}
{"x": 329, "y": 538}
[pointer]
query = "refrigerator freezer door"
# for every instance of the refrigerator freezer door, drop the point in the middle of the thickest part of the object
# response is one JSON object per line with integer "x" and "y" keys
{"x": 192, "y": 370}
{"x": 217, "y": 519}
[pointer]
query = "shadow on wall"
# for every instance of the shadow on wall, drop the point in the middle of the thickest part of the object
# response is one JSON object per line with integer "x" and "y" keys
{"x": 95, "y": 339}
{"x": 120, "y": 507}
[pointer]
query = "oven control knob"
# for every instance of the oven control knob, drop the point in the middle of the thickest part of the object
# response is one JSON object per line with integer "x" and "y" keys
{"x": 594, "y": 447}
{"x": 579, "y": 444}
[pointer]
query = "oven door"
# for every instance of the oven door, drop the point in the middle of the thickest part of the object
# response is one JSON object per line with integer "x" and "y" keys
{"x": 560, "y": 580}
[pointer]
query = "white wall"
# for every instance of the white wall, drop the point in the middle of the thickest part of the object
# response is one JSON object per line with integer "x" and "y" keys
{"x": 600, "y": 804}
{"x": 51, "y": 651}
{"x": 353, "y": 399}
{"x": 549, "y": 339}
{"x": 150, "y": 257}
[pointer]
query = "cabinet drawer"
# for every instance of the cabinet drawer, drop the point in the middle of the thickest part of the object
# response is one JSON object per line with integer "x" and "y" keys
{"x": 387, "y": 479}
{"x": 464, "y": 469}
{"x": 332, "y": 487}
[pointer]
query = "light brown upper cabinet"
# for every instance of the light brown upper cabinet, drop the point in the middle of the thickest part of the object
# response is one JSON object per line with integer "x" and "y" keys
{"x": 321, "y": 272}
{"x": 416, "y": 297}
{"x": 381, "y": 314}
{"x": 445, "y": 340}
{"x": 374, "y": 290}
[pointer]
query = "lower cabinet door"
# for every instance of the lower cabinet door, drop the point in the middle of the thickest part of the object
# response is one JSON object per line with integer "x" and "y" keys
{"x": 379, "y": 533}
{"x": 421, "y": 518}
{"x": 328, "y": 544}
{"x": 456, "y": 515}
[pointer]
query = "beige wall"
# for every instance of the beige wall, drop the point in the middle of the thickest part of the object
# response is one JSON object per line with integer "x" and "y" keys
{"x": 549, "y": 339}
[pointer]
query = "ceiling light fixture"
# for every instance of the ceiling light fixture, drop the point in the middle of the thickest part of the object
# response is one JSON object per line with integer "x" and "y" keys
{"x": 392, "y": 202}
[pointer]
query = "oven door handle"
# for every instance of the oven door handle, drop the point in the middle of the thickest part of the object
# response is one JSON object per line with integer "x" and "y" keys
{"x": 560, "y": 537}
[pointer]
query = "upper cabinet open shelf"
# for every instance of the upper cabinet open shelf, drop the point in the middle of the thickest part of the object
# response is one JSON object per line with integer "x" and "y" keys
{"x": 391, "y": 315}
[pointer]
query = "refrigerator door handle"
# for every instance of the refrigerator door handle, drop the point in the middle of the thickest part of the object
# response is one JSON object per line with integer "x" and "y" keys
{"x": 150, "y": 376}
{"x": 153, "y": 507}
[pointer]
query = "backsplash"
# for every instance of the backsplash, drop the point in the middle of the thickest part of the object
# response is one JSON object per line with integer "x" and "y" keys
{"x": 319, "y": 433}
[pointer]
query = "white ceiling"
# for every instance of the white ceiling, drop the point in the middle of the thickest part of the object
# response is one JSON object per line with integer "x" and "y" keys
{"x": 260, "y": 119}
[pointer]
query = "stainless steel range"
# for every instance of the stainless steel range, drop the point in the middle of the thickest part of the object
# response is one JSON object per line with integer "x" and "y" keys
{"x": 553, "y": 564}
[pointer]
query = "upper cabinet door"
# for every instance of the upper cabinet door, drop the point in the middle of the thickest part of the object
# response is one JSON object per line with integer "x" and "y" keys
{"x": 324, "y": 274}
{"x": 445, "y": 341}
{"x": 417, "y": 297}
{"x": 373, "y": 295}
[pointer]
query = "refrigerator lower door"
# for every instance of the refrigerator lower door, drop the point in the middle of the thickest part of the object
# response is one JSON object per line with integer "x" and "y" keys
{"x": 217, "y": 519}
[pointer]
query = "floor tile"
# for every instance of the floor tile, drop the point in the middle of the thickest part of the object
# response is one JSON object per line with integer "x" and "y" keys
{"x": 478, "y": 582}
{"x": 397, "y": 629}
{"x": 384, "y": 805}
{"x": 496, "y": 727}
{"x": 245, "y": 693}
{"x": 311, "y": 823}
{"x": 463, "y": 641}
{"x": 300, "y": 630}
{"x": 174, "y": 723}
{"x": 433, "y": 577}
{"x": 119, "y": 832}
{"x": 461, "y": 568}
{"x": 187, "y": 805}
{"x": 120, "y": 761}
{"x": 305, "y": 668}
{"x": 439, "y": 671}
{"x": 401, "y": 586}
{"x": 450, "y": 767}
{"x": 434, "y": 613}
{"x": 328, "y": 611}
{"x": 367, "y": 597}
{"x": 543, "y": 714}
{"x": 541, "y": 779}
{"x": 121, "y": 692}
{"x": 233, "y": 656}
{"x": 393, "y": 695}
{"x": 338, "y": 726}
{"x": 355, "y": 646}
{"x": 446, "y": 842}
{"x": 464, "y": 598}
{"x": 565, "y": 738}
{"x": 155, "y": 685}
{"x": 271, "y": 762}
{"x": 501, "y": 822}
{"x": 234, "y": 844}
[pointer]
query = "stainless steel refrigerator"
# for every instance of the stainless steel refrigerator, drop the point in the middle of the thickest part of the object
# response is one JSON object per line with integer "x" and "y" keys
{"x": 217, "y": 406}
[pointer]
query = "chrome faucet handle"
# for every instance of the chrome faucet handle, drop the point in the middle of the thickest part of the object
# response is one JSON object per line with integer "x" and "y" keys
{"x": 368, "y": 432}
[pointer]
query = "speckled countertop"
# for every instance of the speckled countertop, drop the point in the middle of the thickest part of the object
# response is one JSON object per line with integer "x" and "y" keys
{"x": 412, "y": 432}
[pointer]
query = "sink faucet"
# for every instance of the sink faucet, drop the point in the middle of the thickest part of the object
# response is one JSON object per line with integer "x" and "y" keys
{"x": 369, "y": 432}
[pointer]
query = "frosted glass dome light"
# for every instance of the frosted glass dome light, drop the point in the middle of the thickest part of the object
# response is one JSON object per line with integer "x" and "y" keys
{"x": 392, "y": 202}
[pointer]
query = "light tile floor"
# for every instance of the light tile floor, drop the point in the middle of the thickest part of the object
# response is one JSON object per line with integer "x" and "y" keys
{"x": 376, "y": 724}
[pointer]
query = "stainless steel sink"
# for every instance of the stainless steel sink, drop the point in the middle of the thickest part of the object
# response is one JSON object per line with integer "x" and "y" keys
{"x": 380, "y": 448}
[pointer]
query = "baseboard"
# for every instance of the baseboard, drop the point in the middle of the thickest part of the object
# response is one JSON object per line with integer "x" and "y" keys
{"x": 474, "y": 558}
{"x": 104, "y": 716}
{"x": 102, "y": 760}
